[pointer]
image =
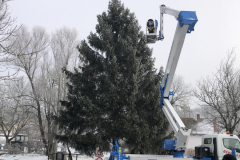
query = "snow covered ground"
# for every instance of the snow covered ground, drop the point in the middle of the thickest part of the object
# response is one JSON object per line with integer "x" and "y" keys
{"x": 23, "y": 157}
{"x": 40, "y": 157}
{"x": 30, "y": 156}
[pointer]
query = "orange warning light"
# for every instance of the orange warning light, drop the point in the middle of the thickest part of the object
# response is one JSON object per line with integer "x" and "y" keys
{"x": 228, "y": 132}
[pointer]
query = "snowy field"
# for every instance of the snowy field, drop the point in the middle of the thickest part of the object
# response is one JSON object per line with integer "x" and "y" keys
{"x": 40, "y": 157}
{"x": 23, "y": 157}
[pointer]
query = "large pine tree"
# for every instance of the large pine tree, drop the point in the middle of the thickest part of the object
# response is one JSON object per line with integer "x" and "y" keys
{"x": 116, "y": 93}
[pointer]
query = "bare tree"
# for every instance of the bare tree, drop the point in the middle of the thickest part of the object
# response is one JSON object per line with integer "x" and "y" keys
{"x": 7, "y": 26}
{"x": 220, "y": 95}
{"x": 182, "y": 96}
{"x": 15, "y": 113}
{"x": 64, "y": 48}
{"x": 8, "y": 30}
{"x": 48, "y": 92}
{"x": 51, "y": 82}
{"x": 28, "y": 51}
{"x": 42, "y": 66}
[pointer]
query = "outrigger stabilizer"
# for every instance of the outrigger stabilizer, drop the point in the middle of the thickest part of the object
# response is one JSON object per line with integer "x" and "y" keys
{"x": 117, "y": 153}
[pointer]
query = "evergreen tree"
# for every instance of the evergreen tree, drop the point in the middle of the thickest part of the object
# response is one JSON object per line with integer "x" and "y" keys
{"x": 116, "y": 93}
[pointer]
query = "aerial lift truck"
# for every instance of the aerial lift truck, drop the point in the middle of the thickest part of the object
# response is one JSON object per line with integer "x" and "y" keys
{"x": 214, "y": 147}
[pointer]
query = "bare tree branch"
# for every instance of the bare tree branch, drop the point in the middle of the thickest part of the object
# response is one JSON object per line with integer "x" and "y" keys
{"x": 220, "y": 94}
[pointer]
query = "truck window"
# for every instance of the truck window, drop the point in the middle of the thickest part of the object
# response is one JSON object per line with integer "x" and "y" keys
{"x": 18, "y": 138}
{"x": 232, "y": 144}
{"x": 207, "y": 140}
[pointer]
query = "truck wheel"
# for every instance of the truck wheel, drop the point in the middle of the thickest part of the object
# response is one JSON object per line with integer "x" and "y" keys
{"x": 229, "y": 157}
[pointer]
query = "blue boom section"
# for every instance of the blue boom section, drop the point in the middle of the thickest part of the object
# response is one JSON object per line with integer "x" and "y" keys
{"x": 171, "y": 93}
{"x": 116, "y": 153}
{"x": 156, "y": 22}
{"x": 187, "y": 17}
{"x": 168, "y": 144}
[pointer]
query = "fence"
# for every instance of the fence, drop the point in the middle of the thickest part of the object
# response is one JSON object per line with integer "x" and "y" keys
{"x": 62, "y": 156}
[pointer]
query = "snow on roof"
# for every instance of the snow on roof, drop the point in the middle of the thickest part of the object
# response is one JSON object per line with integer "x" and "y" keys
{"x": 203, "y": 127}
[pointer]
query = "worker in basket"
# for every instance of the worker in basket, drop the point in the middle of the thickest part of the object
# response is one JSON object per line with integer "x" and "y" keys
{"x": 150, "y": 25}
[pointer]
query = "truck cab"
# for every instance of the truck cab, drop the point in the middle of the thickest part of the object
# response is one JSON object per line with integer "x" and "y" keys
{"x": 220, "y": 145}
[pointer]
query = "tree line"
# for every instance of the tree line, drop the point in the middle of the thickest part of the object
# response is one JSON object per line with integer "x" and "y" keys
{"x": 32, "y": 83}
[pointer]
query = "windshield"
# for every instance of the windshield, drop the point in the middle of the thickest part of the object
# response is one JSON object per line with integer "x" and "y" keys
{"x": 232, "y": 144}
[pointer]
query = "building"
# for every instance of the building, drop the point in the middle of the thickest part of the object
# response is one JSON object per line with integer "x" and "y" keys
{"x": 200, "y": 127}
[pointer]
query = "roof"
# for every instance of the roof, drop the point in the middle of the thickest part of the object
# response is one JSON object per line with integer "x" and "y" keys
{"x": 199, "y": 127}
{"x": 189, "y": 122}
{"x": 203, "y": 127}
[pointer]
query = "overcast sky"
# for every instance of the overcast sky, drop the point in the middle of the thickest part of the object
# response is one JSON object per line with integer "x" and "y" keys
{"x": 216, "y": 32}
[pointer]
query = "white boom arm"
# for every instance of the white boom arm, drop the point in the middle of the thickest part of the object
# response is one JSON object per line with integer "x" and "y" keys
{"x": 183, "y": 27}
{"x": 166, "y": 10}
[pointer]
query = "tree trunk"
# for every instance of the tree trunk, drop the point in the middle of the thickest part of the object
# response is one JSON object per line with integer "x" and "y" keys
{"x": 7, "y": 141}
{"x": 39, "y": 116}
{"x": 70, "y": 154}
{"x": 57, "y": 113}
